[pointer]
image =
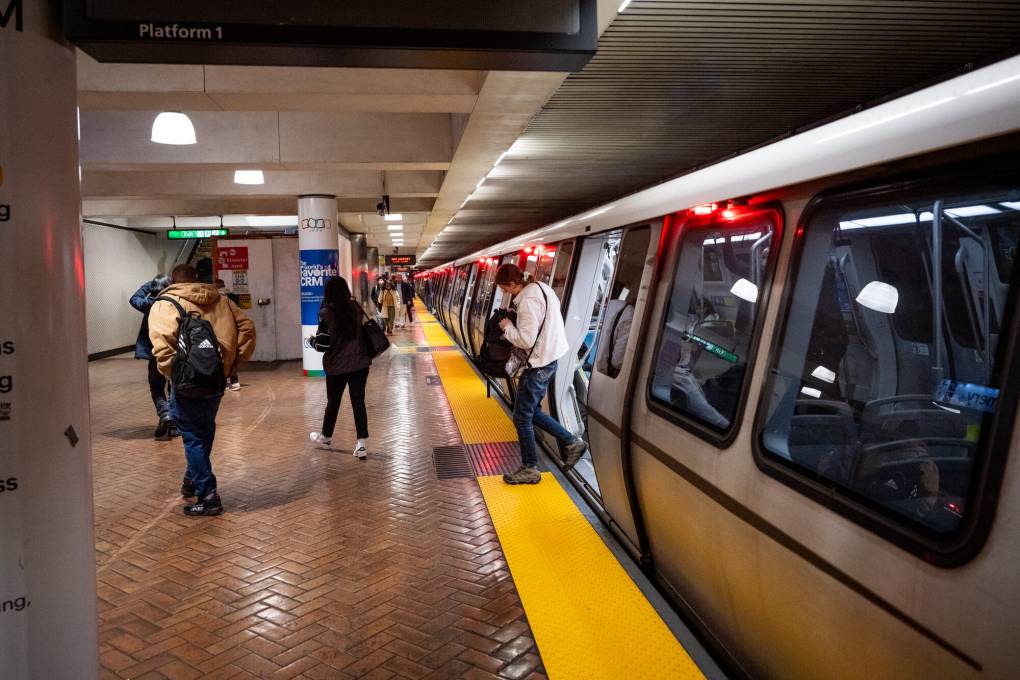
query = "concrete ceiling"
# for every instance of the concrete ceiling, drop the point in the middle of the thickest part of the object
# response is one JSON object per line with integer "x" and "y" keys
{"x": 676, "y": 85}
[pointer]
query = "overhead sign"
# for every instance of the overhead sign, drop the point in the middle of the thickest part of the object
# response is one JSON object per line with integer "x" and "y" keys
{"x": 196, "y": 233}
{"x": 401, "y": 259}
{"x": 518, "y": 35}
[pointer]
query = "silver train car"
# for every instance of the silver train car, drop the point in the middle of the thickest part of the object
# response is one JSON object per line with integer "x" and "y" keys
{"x": 798, "y": 374}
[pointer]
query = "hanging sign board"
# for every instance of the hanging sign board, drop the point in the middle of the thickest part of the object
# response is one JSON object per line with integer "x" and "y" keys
{"x": 174, "y": 234}
{"x": 407, "y": 260}
{"x": 513, "y": 35}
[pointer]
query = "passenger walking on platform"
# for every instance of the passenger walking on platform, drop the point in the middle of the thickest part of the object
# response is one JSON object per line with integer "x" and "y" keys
{"x": 235, "y": 381}
{"x": 196, "y": 416}
{"x": 407, "y": 296}
{"x": 401, "y": 309}
{"x": 159, "y": 386}
{"x": 346, "y": 363}
{"x": 388, "y": 300}
{"x": 539, "y": 331}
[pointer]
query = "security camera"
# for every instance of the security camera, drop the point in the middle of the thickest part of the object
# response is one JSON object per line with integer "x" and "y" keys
{"x": 380, "y": 208}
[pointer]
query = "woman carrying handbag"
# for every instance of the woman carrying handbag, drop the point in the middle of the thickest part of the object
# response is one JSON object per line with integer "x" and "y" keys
{"x": 346, "y": 360}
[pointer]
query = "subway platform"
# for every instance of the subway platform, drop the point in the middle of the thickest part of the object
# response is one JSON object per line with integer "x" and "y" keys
{"x": 415, "y": 563}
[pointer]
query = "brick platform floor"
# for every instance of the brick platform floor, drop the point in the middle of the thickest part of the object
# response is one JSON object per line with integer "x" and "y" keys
{"x": 323, "y": 566}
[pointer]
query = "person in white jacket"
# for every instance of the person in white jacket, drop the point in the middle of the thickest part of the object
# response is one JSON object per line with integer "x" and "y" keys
{"x": 539, "y": 331}
{"x": 401, "y": 320}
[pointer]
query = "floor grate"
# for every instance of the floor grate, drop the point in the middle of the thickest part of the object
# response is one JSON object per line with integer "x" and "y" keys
{"x": 494, "y": 458}
{"x": 451, "y": 462}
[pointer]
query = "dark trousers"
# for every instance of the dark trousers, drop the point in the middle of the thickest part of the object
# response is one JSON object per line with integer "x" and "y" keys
{"x": 196, "y": 420}
{"x": 410, "y": 311}
{"x": 335, "y": 386}
{"x": 159, "y": 389}
{"x": 528, "y": 413}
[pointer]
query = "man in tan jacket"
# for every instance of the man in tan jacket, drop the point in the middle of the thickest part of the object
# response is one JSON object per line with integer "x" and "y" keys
{"x": 196, "y": 418}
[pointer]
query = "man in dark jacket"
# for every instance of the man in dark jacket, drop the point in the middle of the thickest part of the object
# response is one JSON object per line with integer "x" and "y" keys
{"x": 159, "y": 386}
{"x": 407, "y": 297}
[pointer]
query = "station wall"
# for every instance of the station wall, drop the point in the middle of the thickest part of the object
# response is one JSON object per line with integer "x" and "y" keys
{"x": 117, "y": 262}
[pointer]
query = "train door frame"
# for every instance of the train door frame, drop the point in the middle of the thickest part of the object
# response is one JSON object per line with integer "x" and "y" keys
{"x": 607, "y": 396}
{"x": 465, "y": 308}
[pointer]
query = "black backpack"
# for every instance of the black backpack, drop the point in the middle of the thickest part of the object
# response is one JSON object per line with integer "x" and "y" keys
{"x": 496, "y": 349}
{"x": 197, "y": 368}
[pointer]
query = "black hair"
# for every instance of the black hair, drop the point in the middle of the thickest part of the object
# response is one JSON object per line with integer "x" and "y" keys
{"x": 338, "y": 299}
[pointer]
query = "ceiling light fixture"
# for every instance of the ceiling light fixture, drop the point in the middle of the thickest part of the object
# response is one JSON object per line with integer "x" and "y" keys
{"x": 394, "y": 217}
{"x": 395, "y": 227}
{"x": 171, "y": 127}
{"x": 248, "y": 177}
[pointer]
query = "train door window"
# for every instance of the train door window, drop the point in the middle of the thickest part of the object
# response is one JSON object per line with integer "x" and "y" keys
{"x": 501, "y": 300}
{"x": 480, "y": 303}
{"x": 708, "y": 336}
{"x": 619, "y": 308}
{"x": 886, "y": 378}
{"x": 561, "y": 269}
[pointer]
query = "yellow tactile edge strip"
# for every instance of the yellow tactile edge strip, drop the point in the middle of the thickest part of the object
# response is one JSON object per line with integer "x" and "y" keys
{"x": 589, "y": 619}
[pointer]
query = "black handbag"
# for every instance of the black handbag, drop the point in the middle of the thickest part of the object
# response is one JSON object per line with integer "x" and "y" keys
{"x": 373, "y": 336}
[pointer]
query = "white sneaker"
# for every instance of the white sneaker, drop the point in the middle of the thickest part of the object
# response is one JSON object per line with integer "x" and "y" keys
{"x": 360, "y": 449}
{"x": 319, "y": 439}
{"x": 235, "y": 386}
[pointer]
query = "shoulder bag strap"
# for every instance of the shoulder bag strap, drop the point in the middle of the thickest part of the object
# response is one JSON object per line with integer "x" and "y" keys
{"x": 541, "y": 326}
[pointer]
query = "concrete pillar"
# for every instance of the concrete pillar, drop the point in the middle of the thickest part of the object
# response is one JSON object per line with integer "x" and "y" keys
{"x": 320, "y": 259}
{"x": 47, "y": 551}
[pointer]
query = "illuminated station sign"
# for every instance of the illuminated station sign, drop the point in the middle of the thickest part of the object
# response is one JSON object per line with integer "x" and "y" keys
{"x": 174, "y": 234}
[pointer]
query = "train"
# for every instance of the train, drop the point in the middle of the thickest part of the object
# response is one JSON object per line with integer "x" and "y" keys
{"x": 797, "y": 373}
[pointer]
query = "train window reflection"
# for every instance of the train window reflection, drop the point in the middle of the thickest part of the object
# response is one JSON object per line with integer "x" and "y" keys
{"x": 619, "y": 306}
{"x": 885, "y": 375}
{"x": 714, "y": 303}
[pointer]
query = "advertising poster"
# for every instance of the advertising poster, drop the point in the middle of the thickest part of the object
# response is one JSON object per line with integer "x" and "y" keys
{"x": 316, "y": 268}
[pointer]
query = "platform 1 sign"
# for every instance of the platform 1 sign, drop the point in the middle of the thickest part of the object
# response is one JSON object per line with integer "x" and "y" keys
{"x": 514, "y": 35}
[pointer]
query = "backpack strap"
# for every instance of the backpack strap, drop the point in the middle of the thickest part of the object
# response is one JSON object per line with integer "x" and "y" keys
{"x": 175, "y": 303}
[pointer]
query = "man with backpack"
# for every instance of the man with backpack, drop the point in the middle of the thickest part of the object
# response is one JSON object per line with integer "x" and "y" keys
{"x": 198, "y": 338}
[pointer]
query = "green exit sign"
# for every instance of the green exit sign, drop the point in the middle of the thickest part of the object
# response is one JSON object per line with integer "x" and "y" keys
{"x": 196, "y": 233}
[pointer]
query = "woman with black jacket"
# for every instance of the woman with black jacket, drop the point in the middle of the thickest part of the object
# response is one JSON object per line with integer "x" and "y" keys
{"x": 346, "y": 362}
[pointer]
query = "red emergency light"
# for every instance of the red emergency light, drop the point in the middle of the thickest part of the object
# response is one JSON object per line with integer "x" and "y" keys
{"x": 706, "y": 209}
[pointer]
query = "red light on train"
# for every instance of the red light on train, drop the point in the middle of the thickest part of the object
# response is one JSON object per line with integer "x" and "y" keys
{"x": 729, "y": 214}
{"x": 527, "y": 251}
{"x": 706, "y": 209}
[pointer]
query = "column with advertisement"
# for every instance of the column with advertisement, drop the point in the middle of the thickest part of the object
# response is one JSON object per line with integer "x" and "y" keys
{"x": 320, "y": 259}
{"x": 47, "y": 550}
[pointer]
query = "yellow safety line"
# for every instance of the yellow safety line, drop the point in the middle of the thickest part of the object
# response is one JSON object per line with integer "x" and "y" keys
{"x": 435, "y": 334}
{"x": 589, "y": 619}
{"x": 479, "y": 419}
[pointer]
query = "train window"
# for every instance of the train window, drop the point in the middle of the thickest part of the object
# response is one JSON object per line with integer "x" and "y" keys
{"x": 885, "y": 382}
{"x": 709, "y": 329}
{"x": 620, "y": 303}
{"x": 561, "y": 269}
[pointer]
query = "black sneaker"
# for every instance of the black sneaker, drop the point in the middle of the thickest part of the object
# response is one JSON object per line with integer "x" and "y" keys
{"x": 187, "y": 488}
{"x": 162, "y": 433}
{"x": 174, "y": 432}
{"x": 205, "y": 507}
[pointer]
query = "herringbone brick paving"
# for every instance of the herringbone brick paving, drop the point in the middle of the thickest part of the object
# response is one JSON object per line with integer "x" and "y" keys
{"x": 323, "y": 566}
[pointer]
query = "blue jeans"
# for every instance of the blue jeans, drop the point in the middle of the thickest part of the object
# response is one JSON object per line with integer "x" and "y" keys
{"x": 528, "y": 412}
{"x": 196, "y": 420}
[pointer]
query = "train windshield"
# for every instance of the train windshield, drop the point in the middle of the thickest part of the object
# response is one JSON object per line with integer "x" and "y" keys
{"x": 886, "y": 376}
